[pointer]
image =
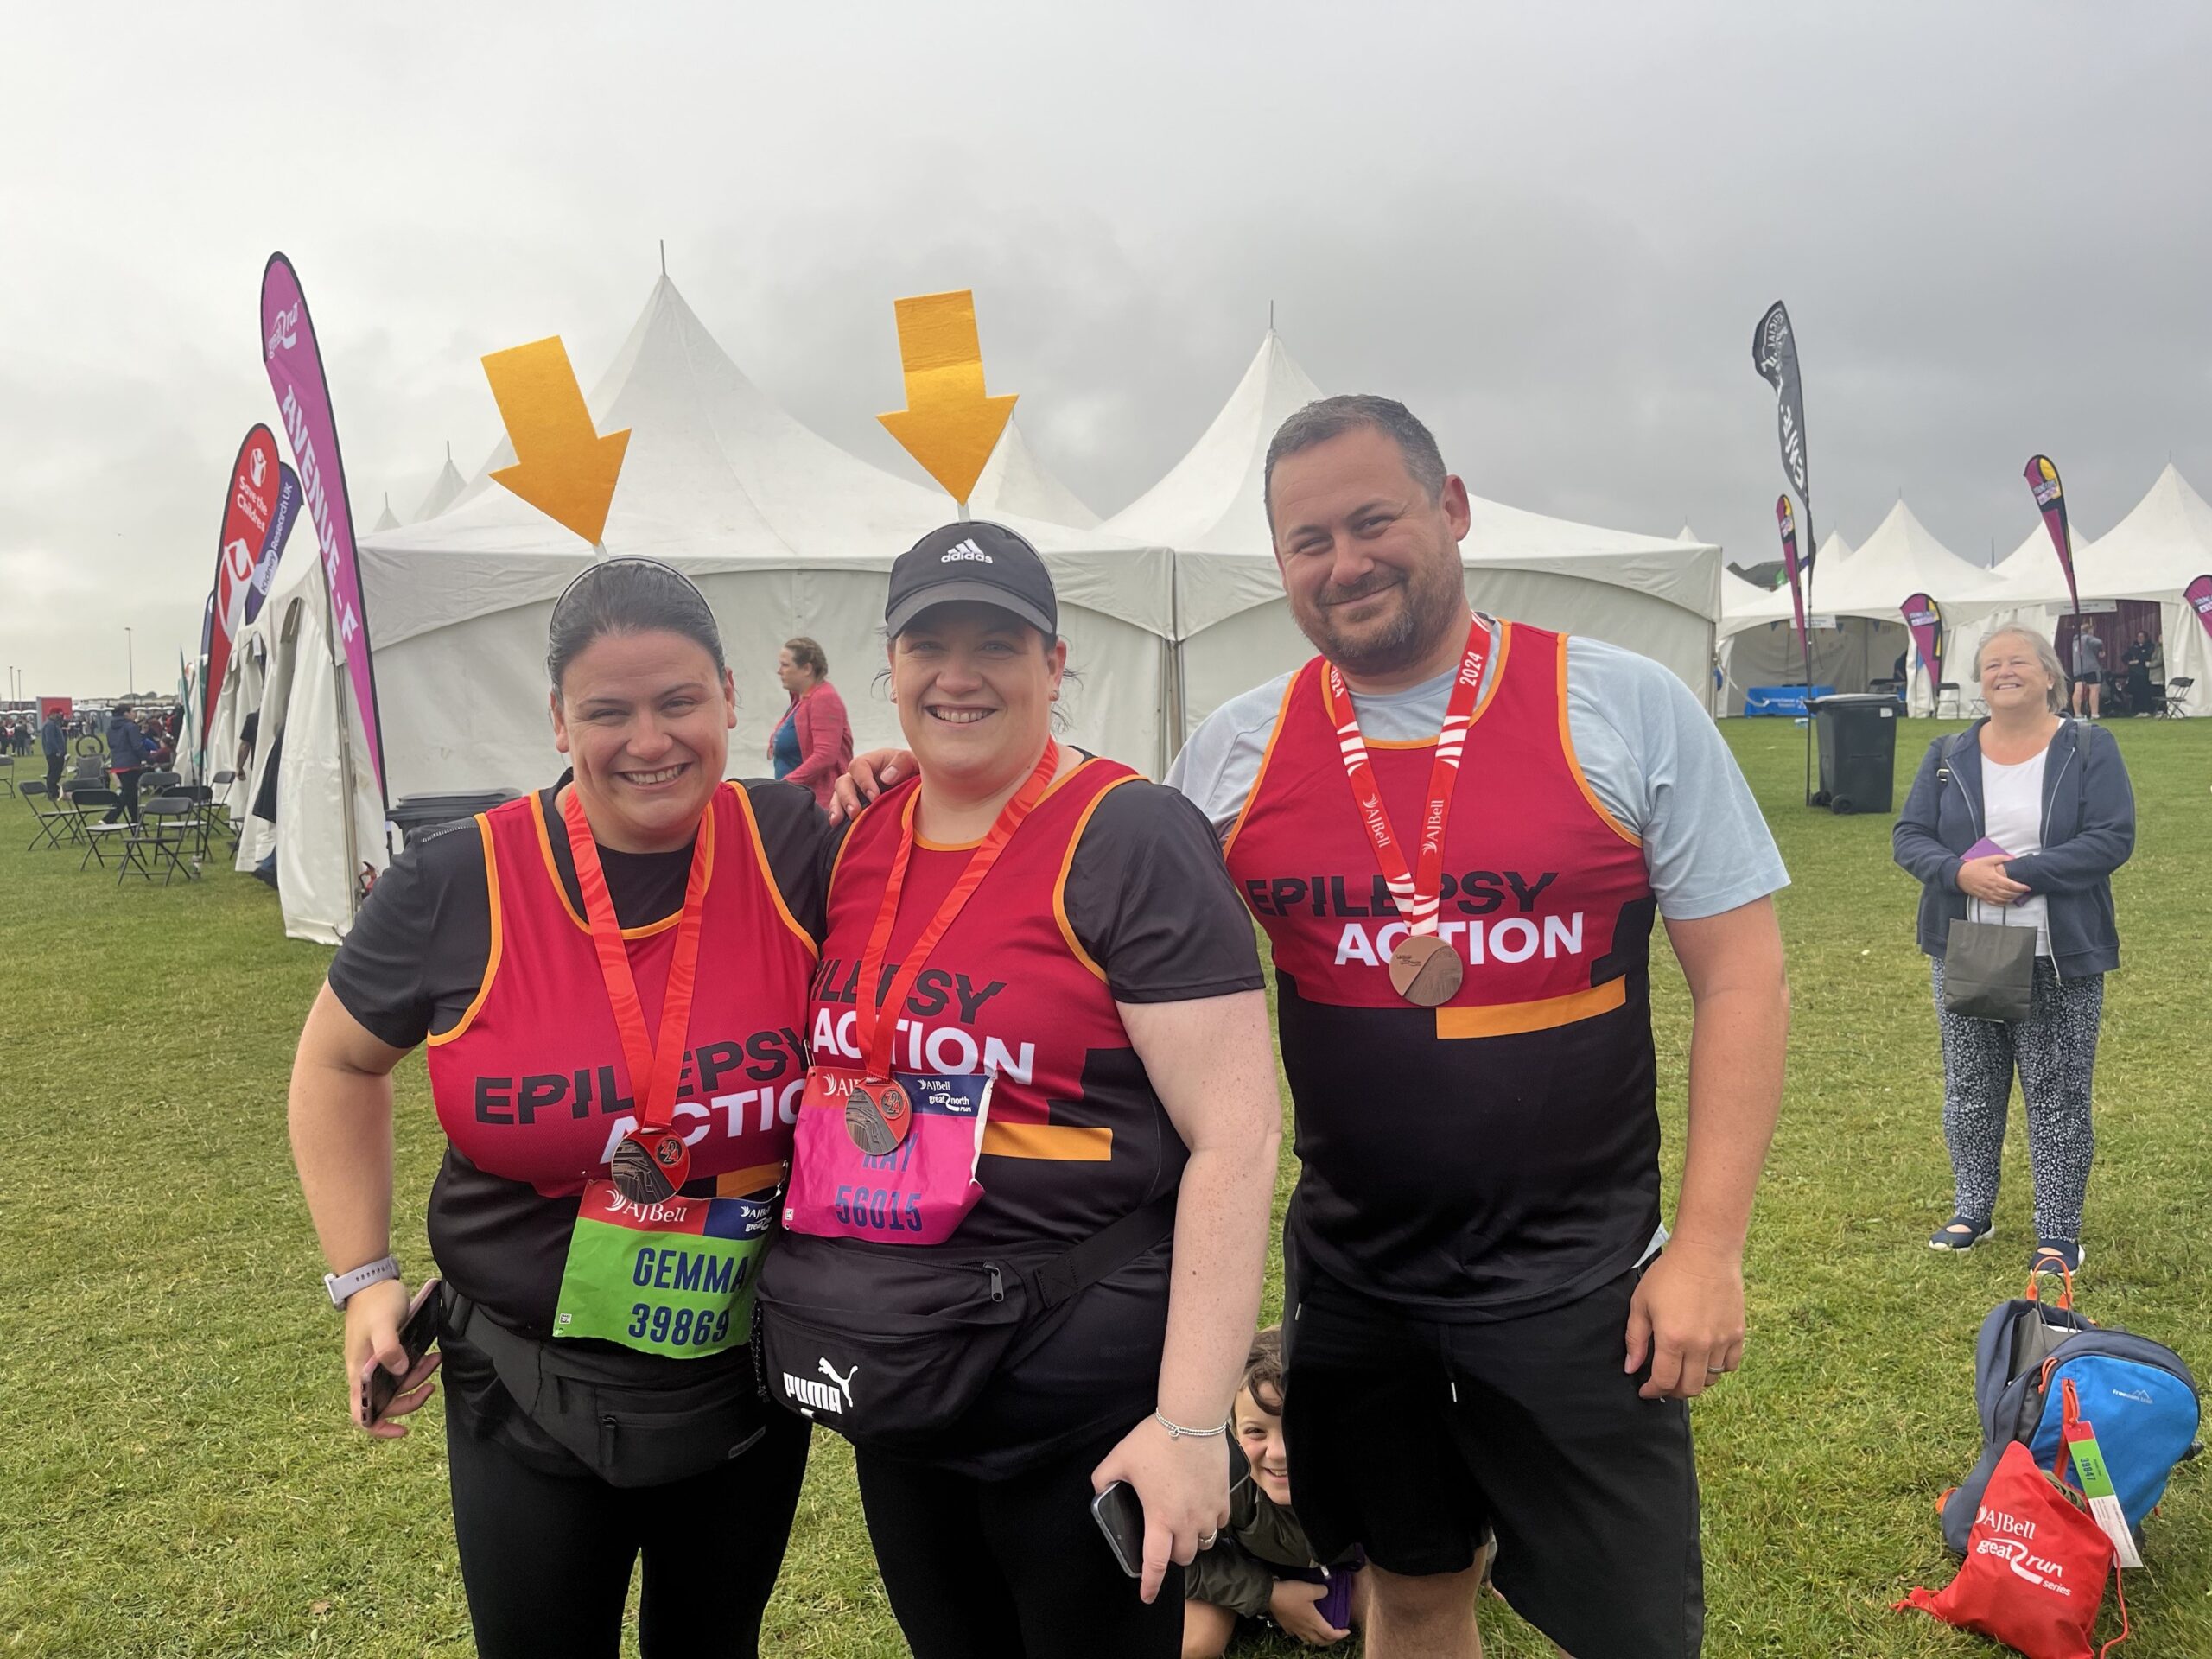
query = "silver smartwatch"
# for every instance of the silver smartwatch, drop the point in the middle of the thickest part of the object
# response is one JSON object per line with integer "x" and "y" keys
{"x": 342, "y": 1286}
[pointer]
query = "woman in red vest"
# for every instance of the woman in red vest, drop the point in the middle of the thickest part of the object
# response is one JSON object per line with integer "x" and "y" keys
{"x": 1037, "y": 1020}
{"x": 617, "y": 1119}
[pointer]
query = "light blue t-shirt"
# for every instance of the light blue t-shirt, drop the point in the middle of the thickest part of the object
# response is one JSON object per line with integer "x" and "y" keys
{"x": 1648, "y": 751}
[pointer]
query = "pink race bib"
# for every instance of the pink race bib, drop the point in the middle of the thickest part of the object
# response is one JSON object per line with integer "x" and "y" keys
{"x": 919, "y": 1190}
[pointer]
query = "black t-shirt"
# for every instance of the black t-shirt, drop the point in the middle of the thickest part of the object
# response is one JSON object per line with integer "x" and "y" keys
{"x": 1149, "y": 900}
{"x": 412, "y": 965}
{"x": 414, "y": 960}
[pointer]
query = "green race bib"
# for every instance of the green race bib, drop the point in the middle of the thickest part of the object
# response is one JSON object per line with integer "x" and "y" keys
{"x": 675, "y": 1277}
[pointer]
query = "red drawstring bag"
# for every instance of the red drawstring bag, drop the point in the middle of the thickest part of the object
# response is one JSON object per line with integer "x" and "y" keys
{"x": 2035, "y": 1568}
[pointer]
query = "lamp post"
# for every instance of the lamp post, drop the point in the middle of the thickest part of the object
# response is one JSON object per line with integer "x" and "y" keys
{"x": 129, "y": 673}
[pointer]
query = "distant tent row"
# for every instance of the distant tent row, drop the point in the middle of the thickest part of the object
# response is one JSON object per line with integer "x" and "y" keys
{"x": 2163, "y": 543}
{"x": 1169, "y": 607}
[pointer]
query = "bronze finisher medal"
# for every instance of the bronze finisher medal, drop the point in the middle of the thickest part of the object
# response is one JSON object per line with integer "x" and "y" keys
{"x": 651, "y": 1165}
{"x": 1426, "y": 970}
{"x": 1424, "y": 967}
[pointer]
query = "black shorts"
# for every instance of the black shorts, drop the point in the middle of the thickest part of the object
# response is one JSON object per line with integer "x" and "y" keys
{"x": 1408, "y": 1437}
{"x": 2088, "y": 676}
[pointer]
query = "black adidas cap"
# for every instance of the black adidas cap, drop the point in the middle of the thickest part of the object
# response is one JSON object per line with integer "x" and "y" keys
{"x": 983, "y": 562}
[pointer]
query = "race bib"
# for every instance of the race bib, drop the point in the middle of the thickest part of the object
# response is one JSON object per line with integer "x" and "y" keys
{"x": 676, "y": 1277}
{"x": 918, "y": 1190}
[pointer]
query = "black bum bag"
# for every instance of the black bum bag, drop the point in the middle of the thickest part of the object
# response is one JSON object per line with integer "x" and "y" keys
{"x": 891, "y": 1346}
{"x": 626, "y": 1434}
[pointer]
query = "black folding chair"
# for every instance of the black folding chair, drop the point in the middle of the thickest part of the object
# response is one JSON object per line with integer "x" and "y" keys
{"x": 8, "y": 773}
{"x": 167, "y": 829}
{"x": 55, "y": 823}
{"x": 201, "y": 800}
{"x": 151, "y": 784}
{"x": 217, "y": 812}
{"x": 98, "y": 836}
{"x": 2177, "y": 691}
{"x": 1944, "y": 688}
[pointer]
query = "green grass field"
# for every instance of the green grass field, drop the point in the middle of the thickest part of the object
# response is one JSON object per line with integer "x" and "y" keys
{"x": 179, "y": 1476}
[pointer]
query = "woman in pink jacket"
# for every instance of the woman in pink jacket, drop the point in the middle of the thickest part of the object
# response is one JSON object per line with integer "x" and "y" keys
{"x": 813, "y": 743}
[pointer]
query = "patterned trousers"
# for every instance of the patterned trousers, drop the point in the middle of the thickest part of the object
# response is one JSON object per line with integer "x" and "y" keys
{"x": 2055, "y": 1051}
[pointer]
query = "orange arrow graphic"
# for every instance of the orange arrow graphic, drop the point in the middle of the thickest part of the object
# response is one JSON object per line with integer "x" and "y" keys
{"x": 948, "y": 425}
{"x": 562, "y": 468}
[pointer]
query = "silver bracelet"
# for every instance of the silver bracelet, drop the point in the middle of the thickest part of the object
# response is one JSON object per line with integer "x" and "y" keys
{"x": 1176, "y": 1431}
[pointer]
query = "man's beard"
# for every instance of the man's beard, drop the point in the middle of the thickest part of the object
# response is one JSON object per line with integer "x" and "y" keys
{"x": 1425, "y": 616}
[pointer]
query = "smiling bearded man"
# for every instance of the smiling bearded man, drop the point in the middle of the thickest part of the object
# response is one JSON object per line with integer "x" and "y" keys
{"x": 1456, "y": 832}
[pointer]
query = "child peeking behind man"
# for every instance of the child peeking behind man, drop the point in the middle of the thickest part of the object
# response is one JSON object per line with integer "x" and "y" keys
{"x": 1261, "y": 1567}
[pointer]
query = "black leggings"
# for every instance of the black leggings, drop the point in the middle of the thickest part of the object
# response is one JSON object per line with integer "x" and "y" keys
{"x": 546, "y": 1558}
{"x": 1009, "y": 1569}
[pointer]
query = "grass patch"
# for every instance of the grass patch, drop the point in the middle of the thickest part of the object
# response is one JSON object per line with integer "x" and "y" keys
{"x": 180, "y": 1479}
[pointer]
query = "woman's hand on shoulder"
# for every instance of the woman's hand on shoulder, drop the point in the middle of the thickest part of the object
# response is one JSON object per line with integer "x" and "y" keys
{"x": 1182, "y": 1484}
{"x": 868, "y": 776}
{"x": 373, "y": 1316}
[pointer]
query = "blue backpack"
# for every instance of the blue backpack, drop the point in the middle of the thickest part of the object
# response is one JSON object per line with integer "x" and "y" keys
{"x": 2137, "y": 1394}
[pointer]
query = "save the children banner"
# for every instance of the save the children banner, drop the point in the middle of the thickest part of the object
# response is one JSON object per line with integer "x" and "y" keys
{"x": 1924, "y": 619}
{"x": 272, "y": 544}
{"x": 303, "y": 402}
{"x": 248, "y": 507}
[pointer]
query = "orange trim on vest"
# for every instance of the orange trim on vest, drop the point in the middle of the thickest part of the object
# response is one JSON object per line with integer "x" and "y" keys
{"x": 560, "y": 891}
{"x": 1509, "y": 1019}
{"x": 1574, "y": 766}
{"x": 736, "y": 1183}
{"x": 1060, "y": 891}
{"x": 492, "y": 960}
{"x": 767, "y": 871}
{"x": 1051, "y": 1142}
{"x": 1266, "y": 755}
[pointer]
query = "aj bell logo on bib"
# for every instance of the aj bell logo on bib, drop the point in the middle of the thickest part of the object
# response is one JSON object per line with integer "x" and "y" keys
{"x": 967, "y": 549}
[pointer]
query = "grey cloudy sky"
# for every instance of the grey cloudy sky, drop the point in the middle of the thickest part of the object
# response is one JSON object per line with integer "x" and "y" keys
{"x": 1549, "y": 229}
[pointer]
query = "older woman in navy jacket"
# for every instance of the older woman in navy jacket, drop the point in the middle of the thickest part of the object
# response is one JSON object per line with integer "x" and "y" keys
{"x": 2052, "y": 795}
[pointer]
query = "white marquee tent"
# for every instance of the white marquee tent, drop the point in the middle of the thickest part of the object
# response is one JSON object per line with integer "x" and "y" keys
{"x": 1865, "y": 592}
{"x": 1234, "y": 627}
{"x": 786, "y": 533}
{"x": 2163, "y": 543}
{"x": 1015, "y": 484}
{"x": 443, "y": 492}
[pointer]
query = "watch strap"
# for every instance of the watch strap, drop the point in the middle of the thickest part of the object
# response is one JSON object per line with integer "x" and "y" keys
{"x": 342, "y": 1286}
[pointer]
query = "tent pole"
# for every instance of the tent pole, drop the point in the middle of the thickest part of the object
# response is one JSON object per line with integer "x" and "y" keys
{"x": 1805, "y": 643}
{"x": 344, "y": 752}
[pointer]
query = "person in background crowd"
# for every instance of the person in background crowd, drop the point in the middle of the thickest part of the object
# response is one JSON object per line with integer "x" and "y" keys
{"x": 127, "y": 756}
{"x": 813, "y": 743}
{"x": 248, "y": 734}
{"x": 54, "y": 743}
{"x": 2053, "y": 795}
{"x": 615, "y": 965}
{"x": 2147, "y": 673}
{"x": 2089, "y": 671}
{"x": 1261, "y": 1566}
{"x": 1134, "y": 1119}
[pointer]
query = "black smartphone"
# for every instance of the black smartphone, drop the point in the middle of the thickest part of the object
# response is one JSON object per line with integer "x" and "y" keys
{"x": 1121, "y": 1516}
{"x": 416, "y": 1335}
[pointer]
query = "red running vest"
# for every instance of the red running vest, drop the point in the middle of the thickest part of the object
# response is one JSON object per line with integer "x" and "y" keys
{"x": 532, "y": 1084}
{"x": 1499, "y": 1154}
{"x": 1077, "y": 1138}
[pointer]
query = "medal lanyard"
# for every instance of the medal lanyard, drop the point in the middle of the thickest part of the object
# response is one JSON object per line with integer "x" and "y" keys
{"x": 1417, "y": 890}
{"x": 875, "y": 1033}
{"x": 654, "y": 1074}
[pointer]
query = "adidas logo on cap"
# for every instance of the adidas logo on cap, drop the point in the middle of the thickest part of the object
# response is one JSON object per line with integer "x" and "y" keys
{"x": 967, "y": 549}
